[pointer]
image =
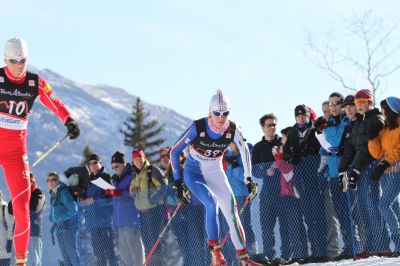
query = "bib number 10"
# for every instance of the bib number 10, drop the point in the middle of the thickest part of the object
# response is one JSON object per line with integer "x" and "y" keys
{"x": 17, "y": 108}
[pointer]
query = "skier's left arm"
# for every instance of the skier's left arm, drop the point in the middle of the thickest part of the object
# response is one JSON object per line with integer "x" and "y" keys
{"x": 244, "y": 153}
{"x": 246, "y": 159}
{"x": 50, "y": 100}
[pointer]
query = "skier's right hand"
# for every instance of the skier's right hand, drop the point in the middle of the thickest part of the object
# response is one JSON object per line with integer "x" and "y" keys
{"x": 73, "y": 128}
{"x": 181, "y": 191}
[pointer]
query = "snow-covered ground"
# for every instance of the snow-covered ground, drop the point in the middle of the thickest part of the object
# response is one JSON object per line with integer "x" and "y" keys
{"x": 364, "y": 262}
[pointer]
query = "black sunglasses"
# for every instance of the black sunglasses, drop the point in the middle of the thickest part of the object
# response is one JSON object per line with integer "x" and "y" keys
{"x": 15, "y": 61}
{"x": 270, "y": 125}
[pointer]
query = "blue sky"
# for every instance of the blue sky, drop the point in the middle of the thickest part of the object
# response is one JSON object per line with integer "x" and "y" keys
{"x": 178, "y": 53}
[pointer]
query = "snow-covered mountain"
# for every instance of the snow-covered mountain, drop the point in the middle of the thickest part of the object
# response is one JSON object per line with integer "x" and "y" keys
{"x": 100, "y": 111}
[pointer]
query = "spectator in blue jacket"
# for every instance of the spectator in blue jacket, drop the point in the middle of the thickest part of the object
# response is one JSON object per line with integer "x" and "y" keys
{"x": 126, "y": 216}
{"x": 333, "y": 132}
{"x": 64, "y": 215}
{"x": 98, "y": 214}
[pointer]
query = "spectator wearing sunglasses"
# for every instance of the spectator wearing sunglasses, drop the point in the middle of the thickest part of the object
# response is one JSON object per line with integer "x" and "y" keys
{"x": 64, "y": 215}
{"x": 98, "y": 208}
{"x": 208, "y": 138}
{"x": 334, "y": 133}
{"x": 264, "y": 169}
{"x": 126, "y": 217}
{"x": 19, "y": 90}
{"x": 356, "y": 165}
{"x": 385, "y": 148}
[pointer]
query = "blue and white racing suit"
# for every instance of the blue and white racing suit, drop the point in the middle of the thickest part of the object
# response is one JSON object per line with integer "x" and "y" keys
{"x": 205, "y": 176}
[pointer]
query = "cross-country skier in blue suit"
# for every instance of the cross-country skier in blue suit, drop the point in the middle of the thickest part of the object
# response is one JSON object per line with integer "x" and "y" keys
{"x": 208, "y": 138}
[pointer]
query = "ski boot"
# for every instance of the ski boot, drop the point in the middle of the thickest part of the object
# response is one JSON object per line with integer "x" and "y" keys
{"x": 244, "y": 259}
{"x": 217, "y": 258}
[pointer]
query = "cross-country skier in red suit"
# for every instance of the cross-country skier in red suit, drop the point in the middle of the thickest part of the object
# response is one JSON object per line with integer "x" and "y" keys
{"x": 18, "y": 91}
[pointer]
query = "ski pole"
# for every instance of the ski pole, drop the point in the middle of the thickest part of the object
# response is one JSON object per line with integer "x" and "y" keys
{"x": 44, "y": 155}
{"x": 162, "y": 234}
{"x": 240, "y": 213}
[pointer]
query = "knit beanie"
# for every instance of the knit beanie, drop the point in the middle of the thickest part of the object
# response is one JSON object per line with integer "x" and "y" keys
{"x": 118, "y": 158}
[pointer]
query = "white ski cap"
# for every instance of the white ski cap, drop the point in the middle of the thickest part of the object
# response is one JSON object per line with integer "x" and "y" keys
{"x": 219, "y": 102}
{"x": 15, "y": 48}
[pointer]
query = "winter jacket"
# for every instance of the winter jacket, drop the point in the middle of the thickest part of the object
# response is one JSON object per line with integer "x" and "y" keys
{"x": 235, "y": 172}
{"x": 334, "y": 133}
{"x": 6, "y": 229}
{"x": 262, "y": 151}
{"x": 386, "y": 145}
{"x": 125, "y": 212}
{"x": 63, "y": 209}
{"x": 36, "y": 206}
{"x": 286, "y": 170}
{"x": 357, "y": 154}
{"x": 99, "y": 213}
{"x": 301, "y": 142}
{"x": 150, "y": 192}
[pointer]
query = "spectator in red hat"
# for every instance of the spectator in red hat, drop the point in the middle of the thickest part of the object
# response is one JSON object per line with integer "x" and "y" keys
{"x": 355, "y": 166}
{"x": 149, "y": 189}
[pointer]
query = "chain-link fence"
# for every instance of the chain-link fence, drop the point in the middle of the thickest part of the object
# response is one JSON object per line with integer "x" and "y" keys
{"x": 299, "y": 213}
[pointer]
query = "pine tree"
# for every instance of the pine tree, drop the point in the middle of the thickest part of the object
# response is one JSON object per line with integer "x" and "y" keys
{"x": 140, "y": 134}
{"x": 87, "y": 151}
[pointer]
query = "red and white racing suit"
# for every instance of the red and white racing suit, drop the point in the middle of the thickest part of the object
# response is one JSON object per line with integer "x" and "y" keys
{"x": 17, "y": 96}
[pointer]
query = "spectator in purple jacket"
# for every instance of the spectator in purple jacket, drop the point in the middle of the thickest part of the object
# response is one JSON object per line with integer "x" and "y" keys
{"x": 126, "y": 216}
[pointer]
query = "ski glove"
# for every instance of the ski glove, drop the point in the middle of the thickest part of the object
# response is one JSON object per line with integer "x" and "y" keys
{"x": 353, "y": 177}
{"x": 112, "y": 192}
{"x": 343, "y": 181}
{"x": 252, "y": 188}
{"x": 9, "y": 246}
{"x": 181, "y": 191}
{"x": 379, "y": 169}
{"x": 73, "y": 128}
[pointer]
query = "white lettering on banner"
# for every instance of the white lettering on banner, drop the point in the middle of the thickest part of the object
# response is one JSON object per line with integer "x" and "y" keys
{"x": 15, "y": 93}
{"x": 12, "y": 123}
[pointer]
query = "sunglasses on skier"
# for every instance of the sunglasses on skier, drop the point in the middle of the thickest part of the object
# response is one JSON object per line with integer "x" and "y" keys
{"x": 216, "y": 113}
{"x": 15, "y": 61}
